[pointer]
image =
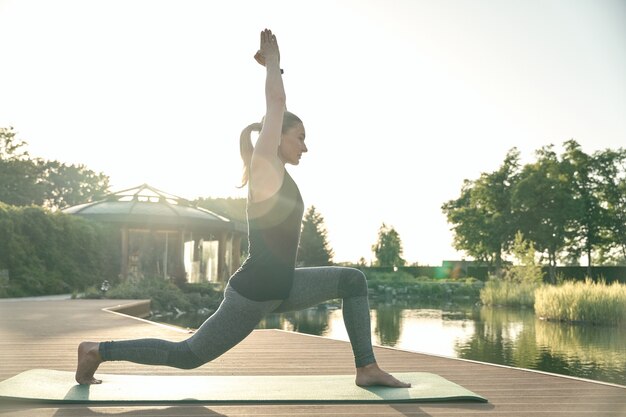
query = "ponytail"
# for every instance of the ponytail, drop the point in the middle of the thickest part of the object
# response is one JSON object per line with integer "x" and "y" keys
{"x": 245, "y": 142}
{"x": 246, "y": 149}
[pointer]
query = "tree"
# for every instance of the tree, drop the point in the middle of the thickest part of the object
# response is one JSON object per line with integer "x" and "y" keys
{"x": 19, "y": 173}
{"x": 544, "y": 203}
{"x": 10, "y": 147}
{"x": 388, "y": 248}
{"x": 527, "y": 270}
{"x": 314, "y": 249}
{"x": 68, "y": 185}
{"x": 611, "y": 166}
{"x": 484, "y": 222}
{"x": 28, "y": 181}
{"x": 233, "y": 208}
{"x": 589, "y": 217}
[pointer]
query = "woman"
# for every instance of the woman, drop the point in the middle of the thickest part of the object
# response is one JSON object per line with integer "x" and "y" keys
{"x": 268, "y": 280}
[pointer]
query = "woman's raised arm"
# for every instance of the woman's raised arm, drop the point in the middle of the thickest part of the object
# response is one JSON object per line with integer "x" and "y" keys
{"x": 266, "y": 168}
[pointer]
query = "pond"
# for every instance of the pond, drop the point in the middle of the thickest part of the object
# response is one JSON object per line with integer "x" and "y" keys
{"x": 513, "y": 337}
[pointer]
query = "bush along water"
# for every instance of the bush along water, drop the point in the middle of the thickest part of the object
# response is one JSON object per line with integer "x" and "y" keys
{"x": 586, "y": 302}
{"x": 167, "y": 299}
{"x": 503, "y": 292}
{"x": 402, "y": 285}
{"x": 518, "y": 283}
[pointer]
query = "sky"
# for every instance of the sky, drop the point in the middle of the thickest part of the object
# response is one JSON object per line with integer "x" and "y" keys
{"x": 402, "y": 100}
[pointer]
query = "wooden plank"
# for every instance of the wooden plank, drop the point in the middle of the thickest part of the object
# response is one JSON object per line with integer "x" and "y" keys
{"x": 45, "y": 334}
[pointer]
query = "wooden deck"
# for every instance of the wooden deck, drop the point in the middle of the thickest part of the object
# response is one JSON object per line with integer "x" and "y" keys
{"x": 44, "y": 334}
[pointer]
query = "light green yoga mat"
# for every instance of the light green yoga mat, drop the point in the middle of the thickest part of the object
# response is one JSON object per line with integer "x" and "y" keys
{"x": 43, "y": 385}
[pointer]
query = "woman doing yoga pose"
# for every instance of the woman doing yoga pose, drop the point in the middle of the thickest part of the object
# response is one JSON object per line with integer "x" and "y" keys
{"x": 268, "y": 280}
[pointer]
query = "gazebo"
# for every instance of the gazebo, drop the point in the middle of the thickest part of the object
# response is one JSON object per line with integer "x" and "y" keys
{"x": 165, "y": 235}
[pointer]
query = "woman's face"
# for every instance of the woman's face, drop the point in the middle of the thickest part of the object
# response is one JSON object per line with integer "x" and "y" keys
{"x": 292, "y": 144}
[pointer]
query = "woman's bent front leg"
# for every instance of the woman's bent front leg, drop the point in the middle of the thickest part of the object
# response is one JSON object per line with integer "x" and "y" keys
{"x": 312, "y": 286}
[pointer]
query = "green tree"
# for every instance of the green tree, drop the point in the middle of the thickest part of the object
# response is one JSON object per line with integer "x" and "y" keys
{"x": 19, "y": 173}
{"x": 28, "y": 181}
{"x": 544, "y": 202}
{"x": 314, "y": 249}
{"x": 482, "y": 218}
{"x": 527, "y": 269}
{"x": 69, "y": 185}
{"x": 611, "y": 166}
{"x": 589, "y": 215}
{"x": 233, "y": 208}
{"x": 388, "y": 248}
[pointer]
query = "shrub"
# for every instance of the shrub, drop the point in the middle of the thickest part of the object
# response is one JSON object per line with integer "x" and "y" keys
{"x": 499, "y": 292}
{"x": 50, "y": 253}
{"x": 390, "y": 277}
{"x": 519, "y": 282}
{"x": 403, "y": 284}
{"x": 588, "y": 302}
{"x": 527, "y": 270}
{"x": 164, "y": 295}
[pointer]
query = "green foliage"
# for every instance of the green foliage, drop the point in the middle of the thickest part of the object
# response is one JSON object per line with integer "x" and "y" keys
{"x": 388, "y": 248}
{"x": 591, "y": 217}
{"x": 233, "y": 208}
{"x": 568, "y": 206}
{"x": 587, "y": 302}
{"x": 26, "y": 181}
{"x": 18, "y": 173}
{"x": 499, "y": 292}
{"x": 610, "y": 166}
{"x": 517, "y": 286}
{"x": 314, "y": 249}
{"x": 49, "y": 253}
{"x": 402, "y": 284}
{"x": 164, "y": 295}
{"x": 68, "y": 185}
{"x": 482, "y": 217}
{"x": 544, "y": 200}
{"x": 391, "y": 277}
{"x": 527, "y": 270}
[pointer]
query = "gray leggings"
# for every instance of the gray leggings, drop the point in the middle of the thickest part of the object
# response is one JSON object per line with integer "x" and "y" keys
{"x": 237, "y": 317}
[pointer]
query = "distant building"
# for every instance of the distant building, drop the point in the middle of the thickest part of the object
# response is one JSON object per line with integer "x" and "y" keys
{"x": 463, "y": 268}
{"x": 164, "y": 235}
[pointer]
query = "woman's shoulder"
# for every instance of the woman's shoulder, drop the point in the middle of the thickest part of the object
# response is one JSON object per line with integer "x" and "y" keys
{"x": 267, "y": 186}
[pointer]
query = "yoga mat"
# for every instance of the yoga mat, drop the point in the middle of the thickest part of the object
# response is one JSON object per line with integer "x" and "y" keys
{"x": 44, "y": 385}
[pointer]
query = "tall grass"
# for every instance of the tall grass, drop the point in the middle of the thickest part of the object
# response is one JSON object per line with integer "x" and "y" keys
{"x": 499, "y": 292}
{"x": 587, "y": 302}
{"x": 517, "y": 286}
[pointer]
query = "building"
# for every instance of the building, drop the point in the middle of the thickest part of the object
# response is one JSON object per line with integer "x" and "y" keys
{"x": 165, "y": 235}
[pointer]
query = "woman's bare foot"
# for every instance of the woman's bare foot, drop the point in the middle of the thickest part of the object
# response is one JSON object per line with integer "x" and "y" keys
{"x": 88, "y": 361}
{"x": 371, "y": 374}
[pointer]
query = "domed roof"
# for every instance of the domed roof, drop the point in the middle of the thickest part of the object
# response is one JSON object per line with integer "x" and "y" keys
{"x": 147, "y": 206}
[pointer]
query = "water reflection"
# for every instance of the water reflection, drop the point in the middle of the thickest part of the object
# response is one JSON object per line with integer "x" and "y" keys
{"x": 500, "y": 336}
{"x": 511, "y": 337}
{"x": 518, "y": 338}
{"x": 388, "y": 324}
{"x": 310, "y": 321}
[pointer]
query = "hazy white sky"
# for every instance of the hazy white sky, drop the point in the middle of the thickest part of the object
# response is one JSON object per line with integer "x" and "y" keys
{"x": 402, "y": 100}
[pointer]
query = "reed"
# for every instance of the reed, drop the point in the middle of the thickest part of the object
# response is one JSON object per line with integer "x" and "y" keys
{"x": 499, "y": 292}
{"x": 587, "y": 302}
